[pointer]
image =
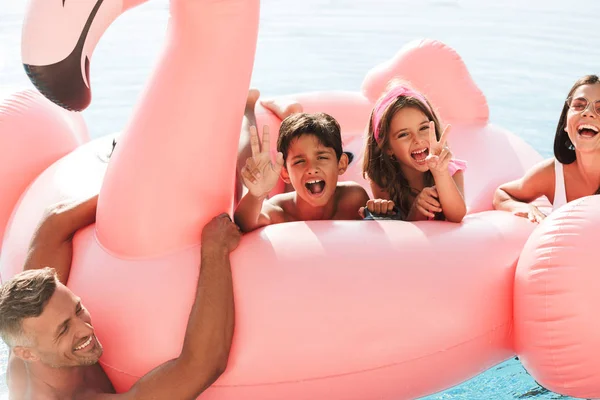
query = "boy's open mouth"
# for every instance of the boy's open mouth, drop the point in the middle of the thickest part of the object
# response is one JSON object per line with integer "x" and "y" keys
{"x": 316, "y": 186}
{"x": 420, "y": 155}
{"x": 587, "y": 130}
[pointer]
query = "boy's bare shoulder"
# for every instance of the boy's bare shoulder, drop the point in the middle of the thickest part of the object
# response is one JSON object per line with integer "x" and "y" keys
{"x": 351, "y": 196}
{"x": 281, "y": 206}
{"x": 351, "y": 189}
{"x": 282, "y": 199}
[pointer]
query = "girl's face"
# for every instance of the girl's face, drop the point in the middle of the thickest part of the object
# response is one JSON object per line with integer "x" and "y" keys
{"x": 409, "y": 138}
{"x": 583, "y": 118}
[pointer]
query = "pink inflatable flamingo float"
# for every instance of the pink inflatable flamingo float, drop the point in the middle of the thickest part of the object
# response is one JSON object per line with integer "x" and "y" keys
{"x": 337, "y": 310}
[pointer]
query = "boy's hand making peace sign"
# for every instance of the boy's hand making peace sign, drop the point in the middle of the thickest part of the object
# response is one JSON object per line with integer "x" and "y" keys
{"x": 260, "y": 174}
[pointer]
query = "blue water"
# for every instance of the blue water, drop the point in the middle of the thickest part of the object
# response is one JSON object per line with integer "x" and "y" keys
{"x": 523, "y": 54}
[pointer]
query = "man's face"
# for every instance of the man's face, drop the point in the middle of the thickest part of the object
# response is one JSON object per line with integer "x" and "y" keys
{"x": 63, "y": 335}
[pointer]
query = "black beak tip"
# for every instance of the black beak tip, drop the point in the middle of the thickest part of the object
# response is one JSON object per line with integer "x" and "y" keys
{"x": 58, "y": 87}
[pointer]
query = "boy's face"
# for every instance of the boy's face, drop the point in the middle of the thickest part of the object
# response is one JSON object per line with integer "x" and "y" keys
{"x": 313, "y": 169}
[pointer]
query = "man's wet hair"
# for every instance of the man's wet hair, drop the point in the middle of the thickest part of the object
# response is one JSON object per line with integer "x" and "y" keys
{"x": 24, "y": 296}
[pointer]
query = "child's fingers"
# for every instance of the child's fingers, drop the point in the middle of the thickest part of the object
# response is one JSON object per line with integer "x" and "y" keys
{"x": 370, "y": 205}
{"x": 390, "y": 206}
{"x": 430, "y": 197}
{"x": 253, "y": 168}
{"x": 445, "y": 135}
{"x": 431, "y": 204}
{"x": 434, "y": 206}
{"x": 432, "y": 138}
{"x": 254, "y": 142}
{"x": 278, "y": 161}
{"x": 432, "y": 191}
{"x": 250, "y": 163}
{"x": 445, "y": 155}
{"x": 424, "y": 211}
{"x": 432, "y": 161}
{"x": 247, "y": 176}
{"x": 266, "y": 139}
{"x": 377, "y": 206}
{"x": 385, "y": 206}
{"x": 361, "y": 212}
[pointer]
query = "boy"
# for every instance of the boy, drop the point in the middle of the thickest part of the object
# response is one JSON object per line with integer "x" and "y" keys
{"x": 310, "y": 158}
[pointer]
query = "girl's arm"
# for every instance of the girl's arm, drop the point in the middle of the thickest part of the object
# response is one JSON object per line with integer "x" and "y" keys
{"x": 451, "y": 194}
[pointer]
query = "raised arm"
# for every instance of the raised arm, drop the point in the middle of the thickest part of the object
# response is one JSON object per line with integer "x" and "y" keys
{"x": 515, "y": 196}
{"x": 449, "y": 188}
{"x": 450, "y": 191}
{"x": 260, "y": 175}
{"x": 210, "y": 327}
{"x": 51, "y": 245}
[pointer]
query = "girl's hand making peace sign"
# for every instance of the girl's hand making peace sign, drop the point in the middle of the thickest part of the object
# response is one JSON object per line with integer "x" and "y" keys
{"x": 439, "y": 153}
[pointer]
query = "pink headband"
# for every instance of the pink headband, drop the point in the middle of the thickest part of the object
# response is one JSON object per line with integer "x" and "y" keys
{"x": 389, "y": 98}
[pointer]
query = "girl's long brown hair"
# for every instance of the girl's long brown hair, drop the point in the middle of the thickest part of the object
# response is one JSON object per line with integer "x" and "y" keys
{"x": 383, "y": 169}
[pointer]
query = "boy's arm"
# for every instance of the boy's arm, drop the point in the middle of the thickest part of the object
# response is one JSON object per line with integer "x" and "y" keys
{"x": 209, "y": 332}
{"x": 254, "y": 212}
{"x": 51, "y": 245}
{"x": 260, "y": 175}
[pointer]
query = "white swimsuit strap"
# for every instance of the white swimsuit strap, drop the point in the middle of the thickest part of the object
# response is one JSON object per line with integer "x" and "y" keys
{"x": 560, "y": 194}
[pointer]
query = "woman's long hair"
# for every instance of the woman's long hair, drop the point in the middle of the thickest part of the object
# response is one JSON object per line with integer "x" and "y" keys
{"x": 564, "y": 151}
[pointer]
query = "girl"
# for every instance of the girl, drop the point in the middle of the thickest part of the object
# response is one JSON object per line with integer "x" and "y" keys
{"x": 408, "y": 162}
{"x": 574, "y": 171}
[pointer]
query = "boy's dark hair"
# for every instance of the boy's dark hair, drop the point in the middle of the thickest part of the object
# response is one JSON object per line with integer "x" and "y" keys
{"x": 323, "y": 126}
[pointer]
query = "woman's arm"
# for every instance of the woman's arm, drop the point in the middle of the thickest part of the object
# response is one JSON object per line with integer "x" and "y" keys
{"x": 516, "y": 195}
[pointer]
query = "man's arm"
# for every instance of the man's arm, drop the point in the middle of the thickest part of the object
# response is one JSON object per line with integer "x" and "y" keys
{"x": 210, "y": 327}
{"x": 52, "y": 245}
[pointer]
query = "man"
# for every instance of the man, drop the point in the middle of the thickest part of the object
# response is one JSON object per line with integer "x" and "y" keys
{"x": 54, "y": 352}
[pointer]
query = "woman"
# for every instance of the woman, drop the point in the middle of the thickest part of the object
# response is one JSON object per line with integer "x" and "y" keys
{"x": 574, "y": 171}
